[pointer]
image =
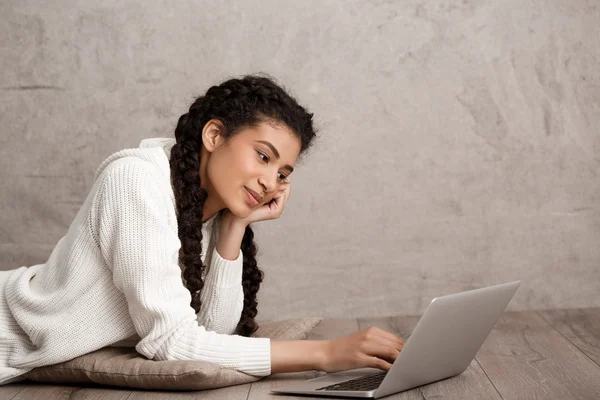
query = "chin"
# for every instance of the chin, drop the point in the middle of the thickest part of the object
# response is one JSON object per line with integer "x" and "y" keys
{"x": 240, "y": 212}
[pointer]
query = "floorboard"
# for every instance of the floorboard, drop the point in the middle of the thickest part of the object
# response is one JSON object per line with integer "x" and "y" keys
{"x": 580, "y": 326}
{"x": 525, "y": 357}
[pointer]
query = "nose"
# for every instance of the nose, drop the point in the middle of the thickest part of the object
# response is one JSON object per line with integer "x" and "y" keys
{"x": 268, "y": 184}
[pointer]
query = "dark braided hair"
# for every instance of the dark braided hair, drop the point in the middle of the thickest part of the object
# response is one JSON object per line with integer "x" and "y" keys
{"x": 237, "y": 104}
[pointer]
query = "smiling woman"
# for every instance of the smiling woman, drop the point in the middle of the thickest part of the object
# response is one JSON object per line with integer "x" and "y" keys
{"x": 162, "y": 254}
{"x": 244, "y": 137}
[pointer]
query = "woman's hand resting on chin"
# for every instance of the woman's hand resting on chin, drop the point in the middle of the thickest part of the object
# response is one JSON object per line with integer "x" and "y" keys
{"x": 233, "y": 228}
{"x": 270, "y": 210}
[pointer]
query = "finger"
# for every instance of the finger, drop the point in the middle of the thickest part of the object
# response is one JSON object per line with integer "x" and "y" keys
{"x": 281, "y": 195}
{"x": 396, "y": 340}
{"x": 274, "y": 205}
{"x": 281, "y": 201}
{"x": 287, "y": 186}
{"x": 278, "y": 203}
{"x": 376, "y": 362}
{"x": 384, "y": 352}
{"x": 387, "y": 338}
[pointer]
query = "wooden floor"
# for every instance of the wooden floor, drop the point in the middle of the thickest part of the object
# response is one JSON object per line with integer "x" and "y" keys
{"x": 528, "y": 355}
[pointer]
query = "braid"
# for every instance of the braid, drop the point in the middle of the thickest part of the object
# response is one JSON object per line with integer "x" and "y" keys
{"x": 252, "y": 277}
{"x": 190, "y": 198}
{"x": 236, "y": 103}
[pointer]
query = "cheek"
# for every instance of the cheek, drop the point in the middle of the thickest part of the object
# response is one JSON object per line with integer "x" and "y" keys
{"x": 228, "y": 173}
{"x": 219, "y": 175}
{"x": 243, "y": 169}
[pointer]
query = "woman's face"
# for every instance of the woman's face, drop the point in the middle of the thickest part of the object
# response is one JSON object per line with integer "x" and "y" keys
{"x": 254, "y": 162}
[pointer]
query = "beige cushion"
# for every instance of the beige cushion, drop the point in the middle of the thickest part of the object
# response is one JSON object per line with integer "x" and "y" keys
{"x": 123, "y": 366}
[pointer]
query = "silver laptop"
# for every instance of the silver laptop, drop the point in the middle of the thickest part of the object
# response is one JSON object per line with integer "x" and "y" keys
{"x": 442, "y": 345}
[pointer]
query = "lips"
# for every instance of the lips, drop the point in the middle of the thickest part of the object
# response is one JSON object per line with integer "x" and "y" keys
{"x": 258, "y": 197}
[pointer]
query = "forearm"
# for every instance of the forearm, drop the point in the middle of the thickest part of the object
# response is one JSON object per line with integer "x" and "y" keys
{"x": 297, "y": 355}
{"x": 221, "y": 308}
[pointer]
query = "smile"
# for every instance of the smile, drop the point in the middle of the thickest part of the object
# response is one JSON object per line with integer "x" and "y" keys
{"x": 252, "y": 197}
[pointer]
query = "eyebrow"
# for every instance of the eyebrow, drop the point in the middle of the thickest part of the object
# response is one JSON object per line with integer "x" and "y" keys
{"x": 274, "y": 150}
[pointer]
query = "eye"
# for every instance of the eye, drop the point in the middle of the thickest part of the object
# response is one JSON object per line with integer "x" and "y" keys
{"x": 282, "y": 177}
{"x": 263, "y": 156}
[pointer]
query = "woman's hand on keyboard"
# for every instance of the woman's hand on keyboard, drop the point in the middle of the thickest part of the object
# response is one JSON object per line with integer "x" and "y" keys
{"x": 371, "y": 347}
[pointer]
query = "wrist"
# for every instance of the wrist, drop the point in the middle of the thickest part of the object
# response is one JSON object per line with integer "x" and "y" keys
{"x": 232, "y": 226}
{"x": 298, "y": 355}
{"x": 323, "y": 352}
{"x": 231, "y": 222}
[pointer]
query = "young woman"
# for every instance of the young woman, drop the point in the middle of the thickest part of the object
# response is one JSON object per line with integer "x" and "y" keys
{"x": 161, "y": 254}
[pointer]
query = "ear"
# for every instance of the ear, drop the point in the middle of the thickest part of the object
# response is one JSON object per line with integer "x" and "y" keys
{"x": 212, "y": 135}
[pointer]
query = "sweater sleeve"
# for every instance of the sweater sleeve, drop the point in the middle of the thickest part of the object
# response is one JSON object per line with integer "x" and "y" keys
{"x": 222, "y": 295}
{"x": 142, "y": 249}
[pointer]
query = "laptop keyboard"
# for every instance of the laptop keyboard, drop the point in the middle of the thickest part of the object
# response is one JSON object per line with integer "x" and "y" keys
{"x": 368, "y": 382}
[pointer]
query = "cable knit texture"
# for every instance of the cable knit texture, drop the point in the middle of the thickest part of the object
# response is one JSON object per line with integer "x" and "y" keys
{"x": 114, "y": 280}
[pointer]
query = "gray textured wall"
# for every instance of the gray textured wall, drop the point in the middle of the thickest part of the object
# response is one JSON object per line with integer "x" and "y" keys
{"x": 459, "y": 140}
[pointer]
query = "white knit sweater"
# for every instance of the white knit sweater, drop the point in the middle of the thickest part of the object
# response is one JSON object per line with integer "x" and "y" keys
{"x": 114, "y": 280}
